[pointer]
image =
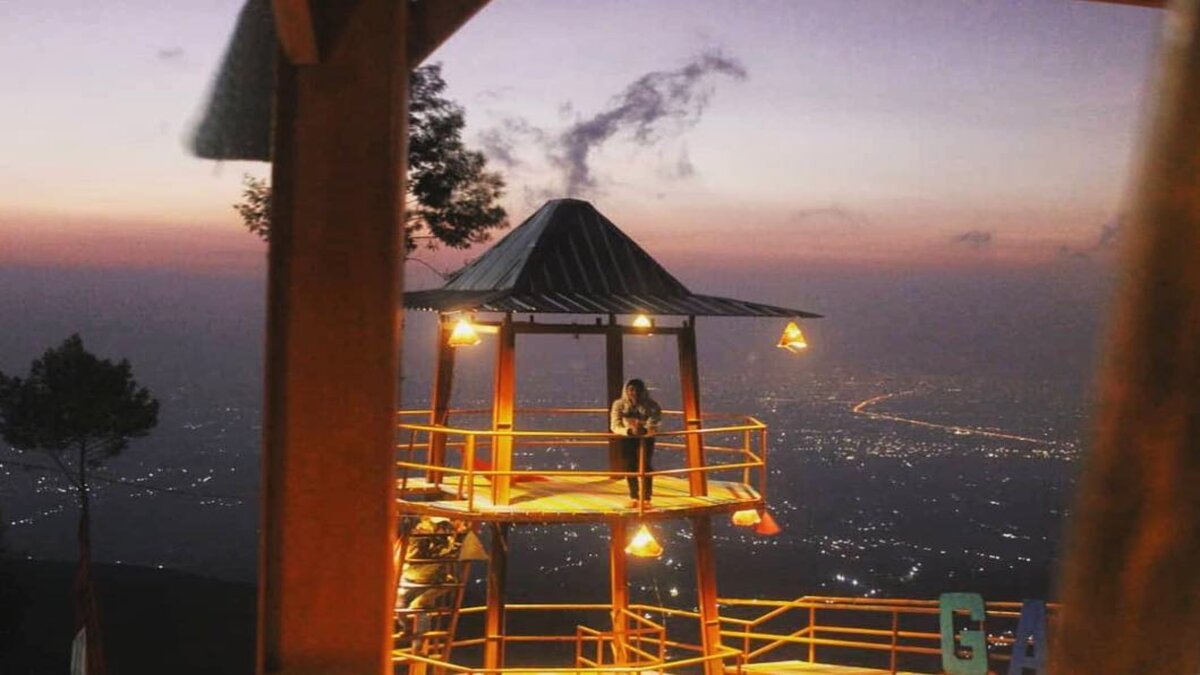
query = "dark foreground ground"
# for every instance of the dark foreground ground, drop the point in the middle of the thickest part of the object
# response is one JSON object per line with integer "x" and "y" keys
{"x": 153, "y": 621}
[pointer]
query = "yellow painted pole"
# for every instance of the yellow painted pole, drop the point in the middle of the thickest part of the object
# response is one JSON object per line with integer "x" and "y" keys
{"x": 443, "y": 382}
{"x": 706, "y": 592}
{"x": 689, "y": 381}
{"x": 505, "y": 404}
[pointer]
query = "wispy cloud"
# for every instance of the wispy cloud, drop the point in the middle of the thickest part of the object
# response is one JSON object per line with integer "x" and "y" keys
{"x": 1107, "y": 240}
{"x": 653, "y": 108}
{"x": 169, "y": 54}
{"x": 833, "y": 217}
{"x": 976, "y": 239}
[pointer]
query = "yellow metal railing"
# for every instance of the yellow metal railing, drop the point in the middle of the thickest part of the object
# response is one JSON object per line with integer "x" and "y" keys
{"x": 831, "y": 630}
{"x": 730, "y": 443}
{"x": 640, "y": 645}
{"x": 923, "y": 639}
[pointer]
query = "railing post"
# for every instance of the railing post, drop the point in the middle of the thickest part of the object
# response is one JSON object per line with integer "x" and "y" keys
{"x": 812, "y": 634}
{"x": 470, "y": 467}
{"x": 895, "y": 636}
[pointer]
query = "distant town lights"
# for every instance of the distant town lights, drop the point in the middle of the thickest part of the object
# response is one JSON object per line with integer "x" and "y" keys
{"x": 464, "y": 334}
{"x": 792, "y": 339}
{"x": 643, "y": 544}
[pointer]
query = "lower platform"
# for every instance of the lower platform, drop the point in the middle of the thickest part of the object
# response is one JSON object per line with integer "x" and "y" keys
{"x": 571, "y": 499}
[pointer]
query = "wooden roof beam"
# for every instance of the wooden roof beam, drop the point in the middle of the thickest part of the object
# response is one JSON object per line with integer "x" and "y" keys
{"x": 432, "y": 22}
{"x": 297, "y": 31}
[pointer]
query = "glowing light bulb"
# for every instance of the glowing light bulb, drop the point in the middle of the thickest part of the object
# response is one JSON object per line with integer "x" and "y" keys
{"x": 643, "y": 544}
{"x": 792, "y": 339}
{"x": 642, "y": 321}
{"x": 746, "y": 518}
{"x": 463, "y": 335}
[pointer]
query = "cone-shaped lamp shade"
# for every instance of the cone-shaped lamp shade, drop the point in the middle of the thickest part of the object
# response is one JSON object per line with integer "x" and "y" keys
{"x": 463, "y": 335}
{"x": 767, "y": 527}
{"x": 746, "y": 518}
{"x": 472, "y": 548}
{"x": 642, "y": 321}
{"x": 792, "y": 339}
{"x": 643, "y": 545}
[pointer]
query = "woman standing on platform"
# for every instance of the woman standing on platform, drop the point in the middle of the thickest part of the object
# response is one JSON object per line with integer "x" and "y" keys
{"x": 636, "y": 416}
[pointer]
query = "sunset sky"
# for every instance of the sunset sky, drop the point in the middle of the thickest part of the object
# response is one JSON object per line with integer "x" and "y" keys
{"x": 917, "y": 133}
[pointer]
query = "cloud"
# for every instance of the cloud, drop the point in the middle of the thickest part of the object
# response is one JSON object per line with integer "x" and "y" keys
{"x": 653, "y": 106}
{"x": 1069, "y": 253}
{"x": 830, "y": 219}
{"x": 499, "y": 142}
{"x": 1110, "y": 233}
{"x": 1108, "y": 239}
{"x": 974, "y": 238}
{"x": 169, "y": 54}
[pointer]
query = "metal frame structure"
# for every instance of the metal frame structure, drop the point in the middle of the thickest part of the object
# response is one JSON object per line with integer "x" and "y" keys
{"x": 502, "y": 439}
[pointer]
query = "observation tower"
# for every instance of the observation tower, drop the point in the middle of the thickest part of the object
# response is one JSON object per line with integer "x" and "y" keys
{"x": 461, "y": 473}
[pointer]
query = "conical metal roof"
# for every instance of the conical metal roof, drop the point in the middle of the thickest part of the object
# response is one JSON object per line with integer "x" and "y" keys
{"x": 567, "y": 258}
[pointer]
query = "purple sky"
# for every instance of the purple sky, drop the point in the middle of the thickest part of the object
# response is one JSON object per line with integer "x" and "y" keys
{"x": 917, "y": 133}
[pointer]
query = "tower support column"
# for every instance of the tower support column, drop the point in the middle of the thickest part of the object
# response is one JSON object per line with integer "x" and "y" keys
{"x": 706, "y": 591}
{"x": 443, "y": 382}
{"x": 614, "y": 356}
{"x": 493, "y": 622}
{"x": 619, "y": 588}
{"x": 689, "y": 382}
{"x": 502, "y": 415}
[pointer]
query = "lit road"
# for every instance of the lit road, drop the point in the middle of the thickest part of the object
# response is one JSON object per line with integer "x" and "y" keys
{"x": 861, "y": 408}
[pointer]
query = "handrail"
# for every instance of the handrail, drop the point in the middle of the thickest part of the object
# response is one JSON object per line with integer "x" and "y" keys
{"x": 751, "y": 465}
{"x": 809, "y": 634}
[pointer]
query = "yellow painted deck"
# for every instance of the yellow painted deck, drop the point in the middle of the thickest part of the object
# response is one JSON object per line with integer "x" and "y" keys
{"x": 784, "y": 667}
{"x": 574, "y": 499}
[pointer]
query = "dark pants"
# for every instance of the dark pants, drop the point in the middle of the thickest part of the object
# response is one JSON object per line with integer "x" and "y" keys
{"x": 630, "y": 461}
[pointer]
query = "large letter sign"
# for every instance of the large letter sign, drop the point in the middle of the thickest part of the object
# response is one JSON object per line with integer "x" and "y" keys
{"x": 973, "y": 640}
{"x": 1031, "y": 632}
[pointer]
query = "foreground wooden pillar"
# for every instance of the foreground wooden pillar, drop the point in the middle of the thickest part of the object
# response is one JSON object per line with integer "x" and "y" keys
{"x": 706, "y": 591}
{"x": 443, "y": 383}
{"x": 689, "y": 381}
{"x": 614, "y": 357}
{"x": 504, "y": 399}
{"x": 1131, "y": 598}
{"x": 326, "y": 577}
{"x": 493, "y": 621}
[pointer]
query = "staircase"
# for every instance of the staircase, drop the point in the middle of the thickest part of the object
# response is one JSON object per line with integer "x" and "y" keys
{"x": 434, "y": 558}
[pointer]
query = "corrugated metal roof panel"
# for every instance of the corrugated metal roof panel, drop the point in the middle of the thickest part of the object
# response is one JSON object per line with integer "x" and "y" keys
{"x": 583, "y": 303}
{"x": 567, "y": 258}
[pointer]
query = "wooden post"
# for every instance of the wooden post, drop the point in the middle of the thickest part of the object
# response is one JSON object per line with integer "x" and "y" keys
{"x": 689, "y": 381}
{"x": 706, "y": 592}
{"x": 326, "y": 574}
{"x": 619, "y": 588}
{"x": 1130, "y": 584}
{"x": 504, "y": 397}
{"x": 493, "y": 628}
{"x": 614, "y": 353}
{"x": 443, "y": 382}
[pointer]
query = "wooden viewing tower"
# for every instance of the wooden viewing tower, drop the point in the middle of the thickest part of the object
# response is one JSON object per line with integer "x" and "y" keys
{"x": 566, "y": 258}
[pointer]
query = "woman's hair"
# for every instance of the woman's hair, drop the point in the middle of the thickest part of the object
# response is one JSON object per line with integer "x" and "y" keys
{"x": 638, "y": 386}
